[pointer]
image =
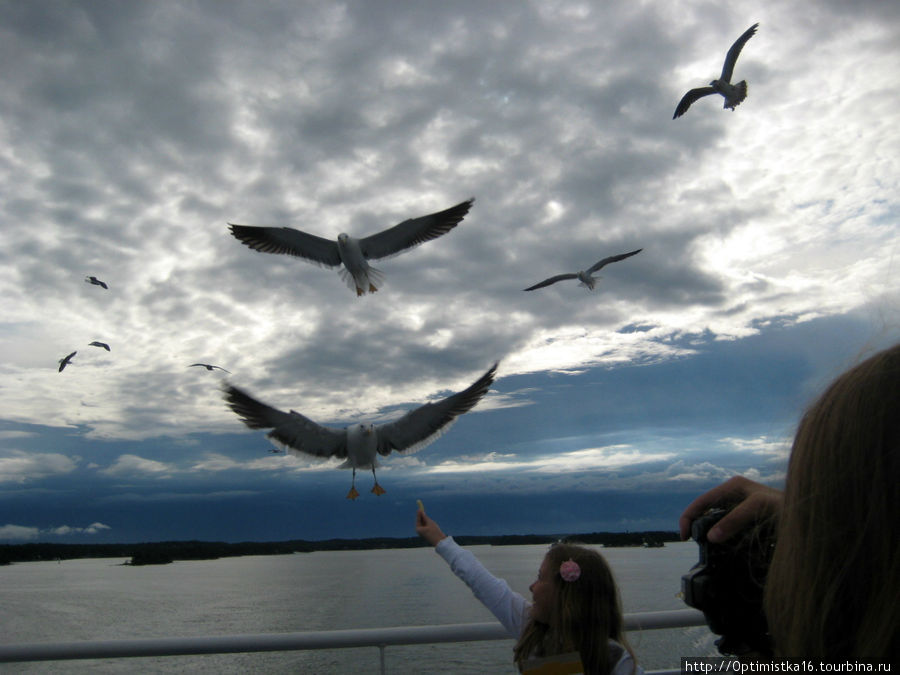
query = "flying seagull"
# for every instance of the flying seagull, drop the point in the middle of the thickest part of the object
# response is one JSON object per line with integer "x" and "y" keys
{"x": 96, "y": 282}
{"x": 350, "y": 252}
{"x": 209, "y": 366}
{"x": 584, "y": 276}
{"x": 358, "y": 444}
{"x": 733, "y": 93}
{"x": 97, "y": 343}
{"x": 63, "y": 362}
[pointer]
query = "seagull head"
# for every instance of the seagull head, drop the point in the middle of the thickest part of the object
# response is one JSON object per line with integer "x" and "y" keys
{"x": 362, "y": 430}
{"x": 343, "y": 237}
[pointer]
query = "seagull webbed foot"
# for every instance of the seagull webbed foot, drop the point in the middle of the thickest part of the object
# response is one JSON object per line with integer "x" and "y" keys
{"x": 378, "y": 490}
{"x": 353, "y": 494}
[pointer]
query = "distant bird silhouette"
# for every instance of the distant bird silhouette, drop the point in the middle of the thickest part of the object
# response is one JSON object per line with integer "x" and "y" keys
{"x": 209, "y": 366}
{"x": 584, "y": 276}
{"x": 63, "y": 362}
{"x": 358, "y": 444}
{"x": 96, "y": 282}
{"x": 350, "y": 252}
{"x": 733, "y": 93}
{"x": 97, "y": 343}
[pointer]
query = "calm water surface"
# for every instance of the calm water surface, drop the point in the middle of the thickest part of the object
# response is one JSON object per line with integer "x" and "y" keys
{"x": 102, "y": 599}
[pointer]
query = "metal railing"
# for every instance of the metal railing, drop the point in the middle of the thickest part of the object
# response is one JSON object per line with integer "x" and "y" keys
{"x": 332, "y": 639}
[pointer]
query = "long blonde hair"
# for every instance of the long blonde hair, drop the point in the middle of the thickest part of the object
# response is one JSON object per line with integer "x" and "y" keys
{"x": 834, "y": 583}
{"x": 586, "y": 614}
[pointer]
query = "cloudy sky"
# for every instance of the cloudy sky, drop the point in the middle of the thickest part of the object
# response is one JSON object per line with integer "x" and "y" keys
{"x": 132, "y": 133}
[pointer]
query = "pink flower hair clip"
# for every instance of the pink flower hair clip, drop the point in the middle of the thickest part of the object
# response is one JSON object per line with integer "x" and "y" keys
{"x": 569, "y": 570}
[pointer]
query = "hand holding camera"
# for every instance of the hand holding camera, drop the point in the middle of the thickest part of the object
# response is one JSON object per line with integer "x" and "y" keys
{"x": 727, "y": 582}
{"x": 746, "y": 503}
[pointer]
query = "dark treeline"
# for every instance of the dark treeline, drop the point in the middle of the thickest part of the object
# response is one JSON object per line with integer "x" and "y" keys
{"x": 168, "y": 551}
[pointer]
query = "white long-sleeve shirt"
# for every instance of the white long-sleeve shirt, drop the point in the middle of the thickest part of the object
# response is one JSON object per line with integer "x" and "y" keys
{"x": 511, "y": 609}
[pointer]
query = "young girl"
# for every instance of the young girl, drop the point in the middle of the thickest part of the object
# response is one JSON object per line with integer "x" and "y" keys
{"x": 575, "y": 613}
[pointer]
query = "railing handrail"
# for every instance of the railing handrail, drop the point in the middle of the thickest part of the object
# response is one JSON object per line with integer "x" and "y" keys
{"x": 331, "y": 639}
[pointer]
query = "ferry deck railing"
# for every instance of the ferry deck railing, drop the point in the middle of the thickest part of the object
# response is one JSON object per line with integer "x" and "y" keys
{"x": 331, "y": 639}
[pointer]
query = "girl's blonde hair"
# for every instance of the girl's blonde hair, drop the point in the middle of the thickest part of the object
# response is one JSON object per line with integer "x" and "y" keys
{"x": 586, "y": 613}
{"x": 834, "y": 582}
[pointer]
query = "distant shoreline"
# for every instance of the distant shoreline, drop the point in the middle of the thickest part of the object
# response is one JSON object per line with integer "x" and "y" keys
{"x": 169, "y": 551}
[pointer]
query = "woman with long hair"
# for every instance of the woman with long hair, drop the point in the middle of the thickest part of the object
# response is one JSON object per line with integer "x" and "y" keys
{"x": 832, "y": 587}
{"x": 575, "y": 615}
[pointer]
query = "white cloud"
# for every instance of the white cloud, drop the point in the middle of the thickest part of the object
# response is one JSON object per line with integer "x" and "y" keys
{"x": 778, "y": 449}
{"x": 21, "y": 467}
{"x": 18, "y": 532}
{"x": 12, "y": 532}
{"x": 289, "y": 461}
{"x": 93, "y": 528}
{"x": 577, "y": 461}
{"x": 132, "y": 465}
{"x": 705, "y": 472}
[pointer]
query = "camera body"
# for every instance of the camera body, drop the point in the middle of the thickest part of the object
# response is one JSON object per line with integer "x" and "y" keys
{"x": 727, "y": 583}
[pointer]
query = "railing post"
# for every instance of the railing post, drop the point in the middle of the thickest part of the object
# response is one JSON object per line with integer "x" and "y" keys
{"x": 381, "y": 653}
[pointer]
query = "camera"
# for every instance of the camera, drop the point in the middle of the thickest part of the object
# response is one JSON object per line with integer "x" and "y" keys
{"x": 727, "y": 586}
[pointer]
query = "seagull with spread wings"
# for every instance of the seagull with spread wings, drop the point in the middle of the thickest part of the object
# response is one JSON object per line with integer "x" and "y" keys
{"x": 351, "y": 252}
{"x": 97, "y": 343}
{"x": 209, "y": 366}
{"x": 733, "y": 93}
{"x": 584, "y": 276}
{"x": 358, "y": 444}
{"x": 66, "y": 360}
{"x": 96, "y": 282}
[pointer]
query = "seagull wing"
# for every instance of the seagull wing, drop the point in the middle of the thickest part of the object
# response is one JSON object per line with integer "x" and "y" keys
{"x": 97, "y": 343}
{"x": 292, "y": 429}
{"x": 421, "y": 426}
{"x": 734, "y": 52}
{"x": 288, "y": 241}
{"x": 611, "y": 259}
{"x": 413, "y": 232}
{"x": 688, "y": 99}
{"x": 552, "y": 280}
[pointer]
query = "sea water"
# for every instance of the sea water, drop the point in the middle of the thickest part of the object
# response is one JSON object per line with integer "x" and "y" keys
{"x": 102, "y": 599}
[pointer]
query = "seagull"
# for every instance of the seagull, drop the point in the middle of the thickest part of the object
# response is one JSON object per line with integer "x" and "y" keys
{"x": 66, "y": 361}
{"x": 733, "y": 93}
{"x": 358, "y": 444}
{"x": 584, "y": 276}
{"x": 97, "y": 343}
{"x": 209, "y": 366}
{"x": 96, "y": 282}
{"x": 350, "y": 252}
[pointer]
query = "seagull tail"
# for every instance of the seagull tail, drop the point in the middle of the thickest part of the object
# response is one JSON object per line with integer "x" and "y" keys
{"x": 369, "y": 280}
{"x": 741, "y": 95}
